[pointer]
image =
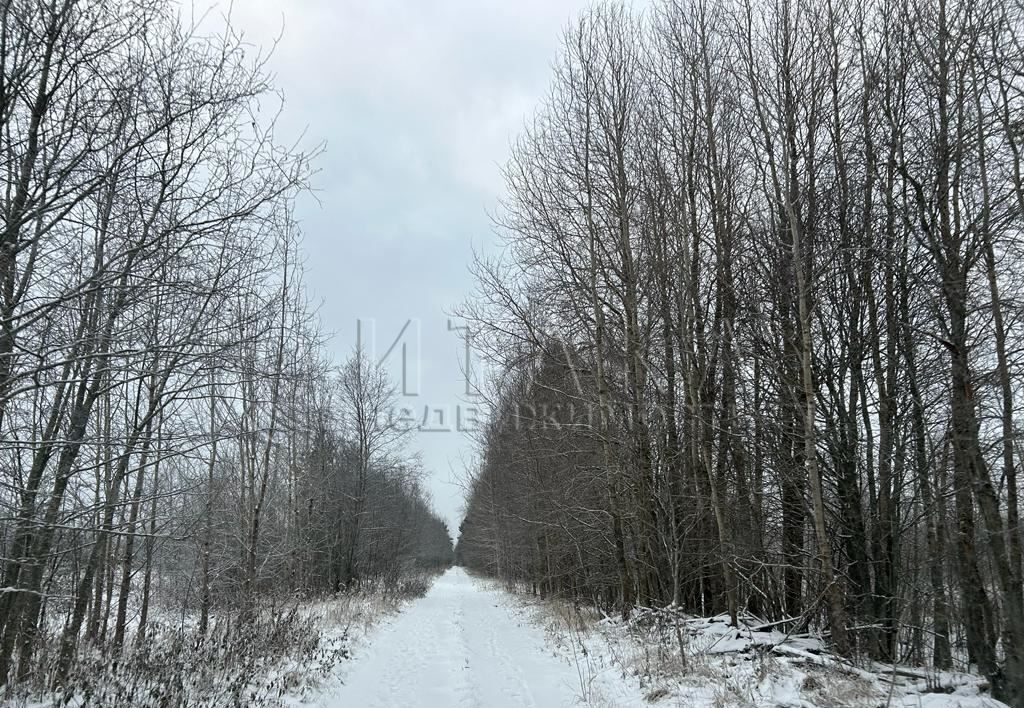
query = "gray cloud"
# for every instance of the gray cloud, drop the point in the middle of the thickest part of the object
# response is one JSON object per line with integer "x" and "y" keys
{"x": 417, "y": 102}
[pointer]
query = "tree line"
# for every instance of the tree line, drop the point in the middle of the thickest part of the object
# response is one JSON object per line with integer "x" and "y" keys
{"x": 172, "y": 433}
{"x": 756, "y": 325}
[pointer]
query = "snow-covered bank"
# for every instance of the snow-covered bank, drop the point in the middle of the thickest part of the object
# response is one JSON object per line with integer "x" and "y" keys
{"x": 283, "y": 657}
{"x": 662, "y": 658}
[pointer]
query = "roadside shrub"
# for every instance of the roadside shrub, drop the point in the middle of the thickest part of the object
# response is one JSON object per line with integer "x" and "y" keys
{"x": 236, "y": 664}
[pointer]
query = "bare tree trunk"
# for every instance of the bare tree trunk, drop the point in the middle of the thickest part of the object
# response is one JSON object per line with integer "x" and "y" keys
{"x": 147, "y": 581}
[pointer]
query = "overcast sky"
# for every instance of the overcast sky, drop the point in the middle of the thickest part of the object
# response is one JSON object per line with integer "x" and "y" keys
{"x": 417, "y": 102}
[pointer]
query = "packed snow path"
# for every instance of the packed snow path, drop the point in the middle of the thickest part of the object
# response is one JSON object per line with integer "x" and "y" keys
{"x": 461, "y": 645}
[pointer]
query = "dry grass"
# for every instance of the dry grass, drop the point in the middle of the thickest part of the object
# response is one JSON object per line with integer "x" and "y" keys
{"x": 284, "y": 651}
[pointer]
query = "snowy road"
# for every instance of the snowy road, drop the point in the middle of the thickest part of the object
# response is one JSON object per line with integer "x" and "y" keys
{"x": 461, "y": 646}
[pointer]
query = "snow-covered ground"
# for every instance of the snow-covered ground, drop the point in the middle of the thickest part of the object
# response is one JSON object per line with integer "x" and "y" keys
{"x": 284, "y": 658}
{"x": 468, "y": 643}
{"x": 463, "y": 645}
{"x": 665, "y": 658}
